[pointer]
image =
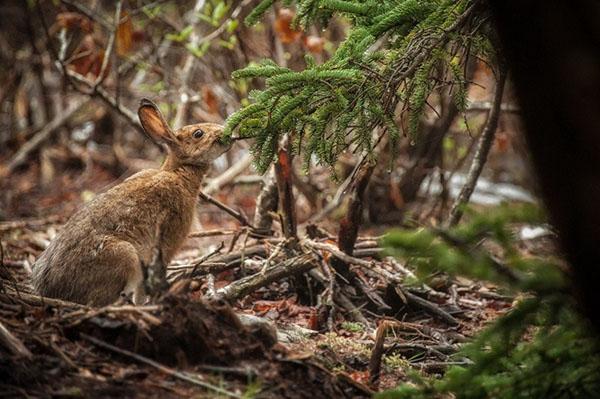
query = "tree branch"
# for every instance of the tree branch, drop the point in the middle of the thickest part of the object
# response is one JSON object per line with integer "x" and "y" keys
{"x": 44, "y": 134}
{"x": 484, "y": 145}
{"x": 240, "y": 288}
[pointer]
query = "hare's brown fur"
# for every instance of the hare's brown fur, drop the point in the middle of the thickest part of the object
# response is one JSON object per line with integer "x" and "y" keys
{"x": 103, "y": 248}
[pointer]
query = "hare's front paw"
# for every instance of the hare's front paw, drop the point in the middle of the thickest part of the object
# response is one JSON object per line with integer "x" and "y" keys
{"x": 125, "y": 298}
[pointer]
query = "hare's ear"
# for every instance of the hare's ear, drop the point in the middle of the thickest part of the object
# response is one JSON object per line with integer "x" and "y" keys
{"x": 154, "y": 123}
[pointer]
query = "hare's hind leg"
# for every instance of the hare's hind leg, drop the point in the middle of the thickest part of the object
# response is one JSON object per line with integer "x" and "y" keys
{"x": 135, "y": 285}
{"x": 121, "y": 272}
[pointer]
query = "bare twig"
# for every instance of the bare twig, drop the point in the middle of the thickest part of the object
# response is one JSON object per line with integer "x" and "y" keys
{"x": 44, "y": 134}
{"x": 109, "y": 47}
{"x": 199, "y": 261}
{"x": 429, "y": 307}
{"x": 187, "y": 67}
{"x": 13, "y": 344}
{"x": 223, "y": 262}
{"x": 266, "y": 202}
{"x": 337, "y": 253}
{"x": 212, "y": 233}
{"x": 246, "y": 285}
{"x": 236, "y": 214}
{"x": 377, "y": 353}
{"x": 483, "y": 148}
{"x": 111, "y": 101}
{"x": 234, "y": 14}
{"x": 412, "y": 299}
{"x": 167, "y": 370}
{"x": 337, "y": 198}
{"x": 353, "y": 311}
{"x": 37, "y": 300}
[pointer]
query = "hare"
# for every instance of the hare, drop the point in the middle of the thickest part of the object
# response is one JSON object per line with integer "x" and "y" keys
{"x": 104, "y": 250}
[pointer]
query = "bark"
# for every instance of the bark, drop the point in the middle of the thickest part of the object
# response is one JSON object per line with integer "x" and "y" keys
{"x": 266, "y": 203}
{"x": 351, "y": 222}
{"x": 283, "y": 173}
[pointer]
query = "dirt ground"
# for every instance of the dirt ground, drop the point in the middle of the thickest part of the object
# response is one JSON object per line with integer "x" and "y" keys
{"x": 184, "y": 346}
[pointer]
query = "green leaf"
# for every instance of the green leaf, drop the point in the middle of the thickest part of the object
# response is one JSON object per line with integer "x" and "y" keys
{"x": 181, "y": 36}
{"x": 232, "y": 25}
{"x": 219, "y": 11}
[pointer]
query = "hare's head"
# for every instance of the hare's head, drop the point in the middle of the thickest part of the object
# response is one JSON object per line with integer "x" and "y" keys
{"x": 198, "y": 144}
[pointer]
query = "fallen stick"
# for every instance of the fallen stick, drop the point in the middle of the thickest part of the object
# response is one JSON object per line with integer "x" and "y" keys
{"x": 13, "y": 344}
{"x": 36, "y": 300}
{"x": 429, "y": 307}
{"x": 161, "y": 367}
{"x": 342, "y": 300}
{"x": 220, "y": 263}
{"x": 199, "y": 262}
{"x": 338, "y": 253}
{"x": 240, "y": 288}
{"x": 212, "y": 233}
{"x": 411, "y": 298}
{"x": 353, "y": 310}
{"x": 377, "y": 353}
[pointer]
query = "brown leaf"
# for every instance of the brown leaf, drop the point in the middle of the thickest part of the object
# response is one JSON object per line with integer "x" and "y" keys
{"x": 210, "y": 100}
{"x": 97, "y": 65}
{"x": 124, "y": 35}
{"x": 70, "y": 20}
{"x": 313, "y": 320}
{"x": 283, "y": 27}
{"x": 360, "y": 376}
{"x": 85, "y": 56}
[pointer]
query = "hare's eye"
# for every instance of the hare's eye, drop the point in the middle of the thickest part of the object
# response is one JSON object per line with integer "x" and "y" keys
{"x": 198, "y": 133}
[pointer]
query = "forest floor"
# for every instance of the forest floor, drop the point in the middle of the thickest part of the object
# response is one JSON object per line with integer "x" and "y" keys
{"x": 183, "y": 345}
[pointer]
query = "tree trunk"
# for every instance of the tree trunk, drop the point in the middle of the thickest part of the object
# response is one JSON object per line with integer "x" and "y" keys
{"x": 553, "y": 50}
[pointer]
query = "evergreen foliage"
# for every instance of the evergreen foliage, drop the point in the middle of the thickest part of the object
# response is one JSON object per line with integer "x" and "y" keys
{"x": 540, "y": 349}
{"x": 396, "y": 54}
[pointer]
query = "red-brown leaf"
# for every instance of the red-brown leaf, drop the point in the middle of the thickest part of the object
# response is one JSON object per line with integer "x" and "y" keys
{"x": 283, "y": 26}
{"x": 124, "y": 35}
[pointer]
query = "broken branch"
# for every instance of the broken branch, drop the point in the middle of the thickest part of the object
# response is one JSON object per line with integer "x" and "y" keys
{"x": 240, "y": 288}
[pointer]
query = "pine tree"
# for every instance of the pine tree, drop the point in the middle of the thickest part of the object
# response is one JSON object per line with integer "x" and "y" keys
{"x": 542, "y": 348}
{"x": 396, "y": 53}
